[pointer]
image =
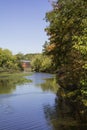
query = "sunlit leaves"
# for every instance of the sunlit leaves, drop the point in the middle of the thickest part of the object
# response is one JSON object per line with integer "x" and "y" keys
{"x": 41, "y": 63}
{"x": 7, "y": 61}
{"x": 67, "y": 31}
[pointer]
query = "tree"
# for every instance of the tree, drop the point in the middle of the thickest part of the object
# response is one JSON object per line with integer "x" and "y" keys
{"x": 41, "y": 63}
{"x": 36, "y": 63}
{"x": 67, "y": 44}
{"x": 8, "y": 61}
{"x": 19, "y": 56}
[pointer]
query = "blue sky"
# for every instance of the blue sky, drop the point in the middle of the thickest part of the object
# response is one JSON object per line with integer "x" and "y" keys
{"x": 22, "y": 25}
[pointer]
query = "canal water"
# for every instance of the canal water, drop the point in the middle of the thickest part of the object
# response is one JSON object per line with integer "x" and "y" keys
{"x": 22, "y": 107}
{"x": 33, "y": 106}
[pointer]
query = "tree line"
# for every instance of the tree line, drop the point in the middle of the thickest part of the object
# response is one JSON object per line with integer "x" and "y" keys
{"x": 12, "y": 63}
{"x": 8, "y": 61}
{"x": 67, "y": 46}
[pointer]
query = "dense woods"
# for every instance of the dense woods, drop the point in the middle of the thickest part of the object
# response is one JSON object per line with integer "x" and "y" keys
{"x": 41, "y": 63}
{"x": 67, "y": 47}
{"x": 12, "y": 63}
{"x": 8, "y": 61}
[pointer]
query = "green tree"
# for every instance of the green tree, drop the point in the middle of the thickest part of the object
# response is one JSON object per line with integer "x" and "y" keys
{"x": 36, "y": 63}
{"x": 41, "y": 63}
{"x": 8, "y": 61}
{"x": 19, "y": 56}
{"x": 67, "y": 31}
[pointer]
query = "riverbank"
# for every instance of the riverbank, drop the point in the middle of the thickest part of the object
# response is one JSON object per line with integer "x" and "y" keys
{"x": 16, "y": 78}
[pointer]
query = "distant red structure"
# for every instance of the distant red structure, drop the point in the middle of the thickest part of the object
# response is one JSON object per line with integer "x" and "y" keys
{"x": 26, "y": 65}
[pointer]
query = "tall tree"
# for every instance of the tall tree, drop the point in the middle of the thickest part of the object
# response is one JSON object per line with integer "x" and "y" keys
{"x": 67, "y": 45}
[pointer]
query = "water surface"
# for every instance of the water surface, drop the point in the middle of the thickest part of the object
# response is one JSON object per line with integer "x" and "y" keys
{"x": 36, "y": 106}
{"x": 22, "y": 106}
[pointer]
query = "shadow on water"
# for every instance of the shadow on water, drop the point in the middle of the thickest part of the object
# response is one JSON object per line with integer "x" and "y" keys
{"x": 66, "y": 114}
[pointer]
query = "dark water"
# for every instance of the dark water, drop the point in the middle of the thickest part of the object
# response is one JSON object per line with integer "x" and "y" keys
{"x": 35, "y": 106}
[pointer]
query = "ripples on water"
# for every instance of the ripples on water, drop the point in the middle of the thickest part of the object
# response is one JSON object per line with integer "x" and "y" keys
{"x": 35, "y": 106}
{"x": 23, "y": 109}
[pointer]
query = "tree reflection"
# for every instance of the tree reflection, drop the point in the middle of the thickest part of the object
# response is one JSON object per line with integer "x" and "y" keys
{"x": 49, "y": 85}
{"x": 66, "y": 114}
{"x": 8, "y": 83}
{"x": 6, "y": 86}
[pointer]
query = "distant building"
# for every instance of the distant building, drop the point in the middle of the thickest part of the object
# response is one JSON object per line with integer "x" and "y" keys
{"x": 26, "y": 65}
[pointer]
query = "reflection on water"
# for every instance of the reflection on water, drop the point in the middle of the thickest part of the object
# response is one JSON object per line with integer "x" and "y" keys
{"x": 49, "y": 85}
{"x": 38, "y": 106}
{"x": 8, "y": 83}
{"x": 21, "y": 106}
{"x": 6, "y": 86}
{"x": 66, "y": 115}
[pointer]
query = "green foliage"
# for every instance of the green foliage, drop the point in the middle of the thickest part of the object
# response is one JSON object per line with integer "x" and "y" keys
{"x": 12, "y": 63}
{"x": 19, "y": 56}
{"x": 41, "y": 63}
{"x": 8, "y": 61}
{"x": 30, "y": 56}
{"x": 67, "y": 31}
